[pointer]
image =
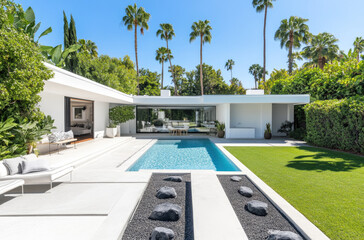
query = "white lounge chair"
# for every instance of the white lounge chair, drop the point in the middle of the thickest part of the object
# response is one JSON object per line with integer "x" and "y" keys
{"x": 7, "y": 185}
{"x": 43, "y": 177}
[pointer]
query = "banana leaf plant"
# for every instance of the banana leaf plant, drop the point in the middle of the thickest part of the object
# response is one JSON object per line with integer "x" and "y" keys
{"x": 55, "y": 54}
{"x": 25, "y": 22}
{"x": 6, "y": 145}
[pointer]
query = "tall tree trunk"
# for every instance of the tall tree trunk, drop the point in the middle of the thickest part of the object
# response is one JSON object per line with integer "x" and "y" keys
{"x": 357, "y": 57}
{"x": 162, "y": 75}
{"x": 290, "y": 54}
{"x": 136, "y": 54}
{"x": 321, "y": 62}
{"x": 201, "y": 77}
{"x": 264, "y": 50}
{"x": 231, "y": 71}
{"x": 172, "y": 71}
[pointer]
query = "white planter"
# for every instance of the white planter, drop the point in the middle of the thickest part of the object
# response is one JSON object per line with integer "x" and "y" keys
{"x": 111, "y": 132}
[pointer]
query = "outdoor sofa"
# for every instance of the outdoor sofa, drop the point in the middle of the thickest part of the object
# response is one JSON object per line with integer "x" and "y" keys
{"x": 32, "y": 170}
{"x": 7, "y": 185}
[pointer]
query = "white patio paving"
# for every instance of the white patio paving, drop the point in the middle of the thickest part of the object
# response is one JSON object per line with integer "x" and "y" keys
{"x": 101, "y": 198}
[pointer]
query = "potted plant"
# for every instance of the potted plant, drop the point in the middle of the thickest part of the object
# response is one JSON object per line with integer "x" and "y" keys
{"x": 268, "y": 132}
{"x": 118, "y": 115}
{"x": 111, "y": 130}
{"x": 220, "y": 127}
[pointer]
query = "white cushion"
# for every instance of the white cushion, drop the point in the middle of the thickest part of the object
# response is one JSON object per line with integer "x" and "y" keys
{"x": 37, "y": 165}
{"x": 30, "y": 157}
{"x": 3, "y": 170}
{"x": 13, "y": 165}
{"x": 69, "y": 134}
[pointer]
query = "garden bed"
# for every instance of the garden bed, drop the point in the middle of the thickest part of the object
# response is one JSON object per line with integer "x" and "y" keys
{"x": 140, "y": 226}
{"x": 255, "y": 227}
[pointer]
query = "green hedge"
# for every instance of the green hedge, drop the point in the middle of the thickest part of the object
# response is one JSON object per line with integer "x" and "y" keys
{"x": 337, "y": 124}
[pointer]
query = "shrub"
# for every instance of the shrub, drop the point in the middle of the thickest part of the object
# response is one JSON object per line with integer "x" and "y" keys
{"x": 121, "y": 114}
{"x": 158, "y": 123}
{"x": 337, "y": 124}
{"x": 286, "y": 127}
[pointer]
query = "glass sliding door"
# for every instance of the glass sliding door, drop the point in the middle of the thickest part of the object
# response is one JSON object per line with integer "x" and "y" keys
{"x": 162, "y": 119}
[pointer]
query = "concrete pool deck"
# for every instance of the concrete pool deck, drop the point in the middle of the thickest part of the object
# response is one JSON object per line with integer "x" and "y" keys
{"x": 102, "y": 197}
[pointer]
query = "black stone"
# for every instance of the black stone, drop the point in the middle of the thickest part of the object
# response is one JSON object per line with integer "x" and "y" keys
{"x": 161, "y": 233}
{"x": 166, "y": 192}
{"x": 257, "y": 207}
{"x": 173, "y": 179}
{"x": 282, "y": 235}
{"x": 166, "y": 212}
{"x": 245, "y": 191}
{"x": 235, "y": 178}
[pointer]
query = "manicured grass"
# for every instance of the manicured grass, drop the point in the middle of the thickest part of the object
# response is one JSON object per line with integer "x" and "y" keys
{"x": 326, "y": 186}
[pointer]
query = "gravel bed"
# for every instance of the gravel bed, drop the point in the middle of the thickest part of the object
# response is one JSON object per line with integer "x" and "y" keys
{"x": 140, "y": 227}
{"x": 256, "y": 227}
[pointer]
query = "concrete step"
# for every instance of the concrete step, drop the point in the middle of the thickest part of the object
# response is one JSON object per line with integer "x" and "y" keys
{"x": 213, "y": 215}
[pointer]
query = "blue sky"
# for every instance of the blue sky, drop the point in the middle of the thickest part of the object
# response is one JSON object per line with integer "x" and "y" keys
{"x": 237, "y": 29}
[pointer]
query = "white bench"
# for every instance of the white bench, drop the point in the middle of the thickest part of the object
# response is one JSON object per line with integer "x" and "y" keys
{"x": 7, "y": 185}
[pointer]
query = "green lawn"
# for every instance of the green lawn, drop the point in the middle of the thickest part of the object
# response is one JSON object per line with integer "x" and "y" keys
{"x": 326, "y": 186}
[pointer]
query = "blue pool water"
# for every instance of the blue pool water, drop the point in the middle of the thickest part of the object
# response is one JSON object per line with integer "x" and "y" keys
{"x": 184, "y": 154}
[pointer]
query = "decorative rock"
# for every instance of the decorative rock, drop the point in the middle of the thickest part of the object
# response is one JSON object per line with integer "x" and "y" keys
{"x": 257, "y": 207}
{"x": 245, "y": 191}
{"x": 166, "y": 212}
{"x": 282, "y": 235}
{"x": 173, "y": 179}
{"x": 235, "y": 179}
{"x": 166, "y": 192}
{"x": 161, "y": 233}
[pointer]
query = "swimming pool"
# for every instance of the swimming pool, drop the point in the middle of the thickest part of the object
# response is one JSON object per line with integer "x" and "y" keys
{"x": 191, "y": 154}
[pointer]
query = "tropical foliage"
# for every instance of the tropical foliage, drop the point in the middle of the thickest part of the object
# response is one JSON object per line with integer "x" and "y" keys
{"x": 229, "y": 66}
{"x": 149, "y": 83}
{"x": 89, "y": 47}
{"x": 201, "y": 29}
{"x": 121, "y": 114}
{"x": 136, "y": 17}
{"x": 292, "y": 32}
{"x": 321, "y": 50}
{"x": 22, "y": 75}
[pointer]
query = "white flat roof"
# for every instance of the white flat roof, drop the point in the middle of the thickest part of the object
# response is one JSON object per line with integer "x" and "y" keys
{"x": 72, "y": 85}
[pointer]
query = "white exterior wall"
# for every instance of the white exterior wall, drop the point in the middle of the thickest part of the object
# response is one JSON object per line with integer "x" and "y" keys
{"x": 223, "y": 116}
{"x": 281, "y": 113}
{"x": 101, "y": 118}
{"x": 53, "y": 105}
{"x": 245, "y": 117}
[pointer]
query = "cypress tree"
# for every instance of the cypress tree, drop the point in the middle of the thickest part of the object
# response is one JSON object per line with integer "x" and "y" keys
{"x": 70, "y": 38}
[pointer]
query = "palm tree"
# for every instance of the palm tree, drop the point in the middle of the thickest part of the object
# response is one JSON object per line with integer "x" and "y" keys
{"x": 292, "y": 33}
{"x": 261, "y": 5}
{"x": 322, "y": 48}
{"x": 166, "y": 32}
{"x": 257, "y": 71}
{"x": 359, "y": 47}
{"x": 136, "y": 17}
{"x": 201, "y": 29}
{"x": 162, "y": 56}
{"x": 89, "y": 46}
{"x": 229, "y": 66}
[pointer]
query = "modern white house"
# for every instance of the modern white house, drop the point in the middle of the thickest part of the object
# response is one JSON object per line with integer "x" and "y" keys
{"x": 83, "y": 105}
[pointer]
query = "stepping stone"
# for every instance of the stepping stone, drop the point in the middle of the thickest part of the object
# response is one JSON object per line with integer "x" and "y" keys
{"x": 166, "y": 212}
{"x": 173, "y": 179}
{"x": 257, "y": 207}
{"x": 161, "y": 233}
{"x": 283, "y": 235}
{"x": 245, "y": 191}
{"x": 166, "y": 192}
{"x": 235, "y": 179}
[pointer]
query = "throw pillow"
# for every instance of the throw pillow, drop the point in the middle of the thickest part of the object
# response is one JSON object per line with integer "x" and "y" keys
{"x": 13, "y": 165}
{"x": 37, "y": 165}
{"x": 30, "y": 157}
{"x": 69, "y": 134}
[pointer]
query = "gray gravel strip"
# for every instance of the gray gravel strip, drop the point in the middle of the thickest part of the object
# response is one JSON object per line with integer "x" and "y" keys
{"x": 255, "y": 227}
{"x": 140, "y": 227}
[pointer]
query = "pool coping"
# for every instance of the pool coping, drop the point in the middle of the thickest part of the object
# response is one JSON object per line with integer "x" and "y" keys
{"x": 303, "y": 225}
